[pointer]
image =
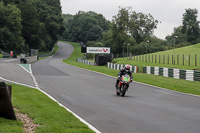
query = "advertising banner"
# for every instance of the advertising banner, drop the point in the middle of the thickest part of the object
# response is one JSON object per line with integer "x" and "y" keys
{"x": 98, "y": 50}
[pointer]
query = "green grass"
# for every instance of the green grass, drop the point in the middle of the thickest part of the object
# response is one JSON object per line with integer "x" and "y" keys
{"x": 180, "y": 85}
{"x": 188, "y": 64}
{"x": 10, "y": 126}
{"x": 55, "y": 49}
{"x": 44, "y": 111}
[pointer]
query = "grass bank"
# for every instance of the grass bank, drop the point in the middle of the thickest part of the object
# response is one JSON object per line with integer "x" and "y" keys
{"x": 184, "y": 58}
{"x": 180, "y": 85}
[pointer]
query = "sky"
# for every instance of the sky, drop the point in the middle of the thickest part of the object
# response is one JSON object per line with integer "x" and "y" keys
{"x": 168, "y": 12}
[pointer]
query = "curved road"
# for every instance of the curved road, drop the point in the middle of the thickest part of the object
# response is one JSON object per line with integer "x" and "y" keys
{"x": 90, "y": 95}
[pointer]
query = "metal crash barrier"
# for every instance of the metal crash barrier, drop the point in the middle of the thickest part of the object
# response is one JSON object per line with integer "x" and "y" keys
{"x": 23, "y": 61}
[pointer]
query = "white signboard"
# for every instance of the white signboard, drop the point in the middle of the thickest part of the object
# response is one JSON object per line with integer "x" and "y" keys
{"x": 98, "y": 50}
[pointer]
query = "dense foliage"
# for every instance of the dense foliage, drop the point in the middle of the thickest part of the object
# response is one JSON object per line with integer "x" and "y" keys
{"x": 85, "y": 26}
{"x": 127, "y": 27}
{"x": 189, "y": 32}
{"x": 36, "y": 24}
{"x": 29, "y": 24}
{"x": 129, "y": 30}
{"x": 10, "y": 28}
{"x": 133, "y": 30}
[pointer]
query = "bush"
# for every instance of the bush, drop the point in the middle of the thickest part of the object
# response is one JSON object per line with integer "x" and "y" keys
{"x": 183, "y": 44}
{"x": 89, "y": 56}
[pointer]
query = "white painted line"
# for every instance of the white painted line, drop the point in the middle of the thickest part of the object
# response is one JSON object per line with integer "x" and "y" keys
{"x": 16, "y": 82}
{"x": 37, "y": 87}
{"x": 82, "y": 120}
{"x": 10, "y": 60}
{"x": 34, "y": 80}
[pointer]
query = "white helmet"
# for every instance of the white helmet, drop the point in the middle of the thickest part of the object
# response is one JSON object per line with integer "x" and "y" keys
{"x": 127, "y": 68}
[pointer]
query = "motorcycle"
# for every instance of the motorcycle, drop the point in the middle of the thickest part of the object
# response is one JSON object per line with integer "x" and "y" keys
{"x": 123, "y": 85}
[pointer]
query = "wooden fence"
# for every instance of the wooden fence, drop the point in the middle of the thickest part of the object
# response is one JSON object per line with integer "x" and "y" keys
{"x": 190, "y": 60}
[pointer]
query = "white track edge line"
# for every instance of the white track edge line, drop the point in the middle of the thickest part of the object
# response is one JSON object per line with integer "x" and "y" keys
{"x": 138, "y": 82}
{"x": 17, "y": 83}
{"x": 81, "y": 119}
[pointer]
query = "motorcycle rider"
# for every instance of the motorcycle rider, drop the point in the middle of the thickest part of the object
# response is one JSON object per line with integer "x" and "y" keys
{"x": 123, "y": 71}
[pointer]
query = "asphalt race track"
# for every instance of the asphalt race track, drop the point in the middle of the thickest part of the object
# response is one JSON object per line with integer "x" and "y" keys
{"x": 10, "y": 70}
{"x": 90, "y": 95}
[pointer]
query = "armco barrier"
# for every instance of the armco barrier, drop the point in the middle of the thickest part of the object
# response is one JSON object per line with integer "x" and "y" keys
{"x": 92, "y": 63}
{"x": 190, "y": 75}
{"x": 28, "y": 59}
{"x": 134, "y": 69}
{"x": 196, "y": 75}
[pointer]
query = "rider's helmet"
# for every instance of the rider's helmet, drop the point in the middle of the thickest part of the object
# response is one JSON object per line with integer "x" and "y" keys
{"x": 127, "y": 68}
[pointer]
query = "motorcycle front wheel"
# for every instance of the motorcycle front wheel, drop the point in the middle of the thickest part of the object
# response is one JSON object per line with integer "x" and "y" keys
{"x": 123, "y": 92}
{"x": 118, "y": 93}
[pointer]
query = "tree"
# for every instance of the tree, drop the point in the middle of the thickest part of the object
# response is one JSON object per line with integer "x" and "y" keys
{"x": 86, "y": 26}
{"x": 50, "y": 18}
{"x": 31, "y": 30}
{"x": 129, "y": 27}
{"x": 41, "y": 23}
{"x": 66, "y": 18}
{"x": 176, "y": 37}
{"x": 120, "y": 30}
{"x": 142, "y": 26}
{"x": 10, "y": 29}
{"x": 191, "y": 26}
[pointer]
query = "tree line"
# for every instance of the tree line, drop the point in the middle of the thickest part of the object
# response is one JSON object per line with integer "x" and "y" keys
{"x": 189, "y": 32}
{"x": 129, "y": 29}
{"x": 29, "y": 24}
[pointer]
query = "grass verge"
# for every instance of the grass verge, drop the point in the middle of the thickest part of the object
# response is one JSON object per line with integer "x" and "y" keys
{"x": 142, "y": 64}
{"x": 10, "y": 126}
{"x": 191, "y": 87}
{"x": 54, "y": 51}
{"x": 44, "y": 111}
{"x": 188, "y": 51}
